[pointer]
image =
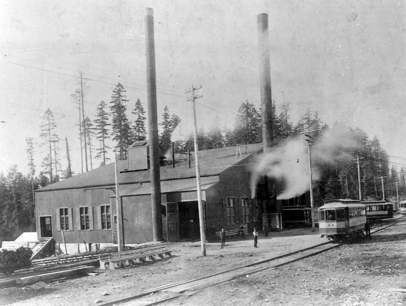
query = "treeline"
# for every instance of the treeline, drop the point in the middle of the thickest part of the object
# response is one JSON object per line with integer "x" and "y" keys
{"x": 111, "y": 130}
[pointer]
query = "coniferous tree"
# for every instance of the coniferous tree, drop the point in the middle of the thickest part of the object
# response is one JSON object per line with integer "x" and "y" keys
{"x": 56, "y": 159}
{"x": 139, "y": 130}
{"x": 68, "y": 172}
{"x": 247, "y": 127}
{"x": 102, "y": 132}
{"x": 49, "y": 139}
{"x": 30, "y": 152}
{"x": 89, "y": 138}
{"x": 121, "y": 130}
{"x": 169, "y": 123}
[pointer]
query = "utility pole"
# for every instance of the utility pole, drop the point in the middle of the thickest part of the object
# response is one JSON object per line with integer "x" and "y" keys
{"x": 80, "y": 134}
{"x": 199, "y": 193}
{"x": 359, "y": 179}
{"x": 118, "y": 208}
{"x": 383, "y": 189}
{"x": 308, "y": 139}
{"x": 83, "y": 119}
{"x": 397, "y": 194}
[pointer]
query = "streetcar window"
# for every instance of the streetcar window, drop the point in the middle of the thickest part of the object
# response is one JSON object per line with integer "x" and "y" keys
{"x": 322, "y": 215}
{"x": 331, "y": 215}
{"x": 340, "y": 215}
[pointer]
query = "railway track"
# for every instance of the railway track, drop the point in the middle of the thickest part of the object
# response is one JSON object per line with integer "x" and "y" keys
{"x": 186, "y": 288}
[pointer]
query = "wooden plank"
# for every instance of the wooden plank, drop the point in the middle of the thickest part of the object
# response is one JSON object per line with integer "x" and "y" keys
{"x": 51, "y": 275}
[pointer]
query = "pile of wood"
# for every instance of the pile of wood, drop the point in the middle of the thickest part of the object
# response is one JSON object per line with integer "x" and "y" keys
{"x": 11, "y": 260}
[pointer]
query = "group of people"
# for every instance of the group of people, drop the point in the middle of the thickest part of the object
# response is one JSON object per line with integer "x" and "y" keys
{"x": 255, "y": 234}
{"x": 241, "y": 233}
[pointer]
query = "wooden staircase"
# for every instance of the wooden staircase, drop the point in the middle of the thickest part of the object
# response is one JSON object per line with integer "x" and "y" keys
{"x": 40, "y": 247}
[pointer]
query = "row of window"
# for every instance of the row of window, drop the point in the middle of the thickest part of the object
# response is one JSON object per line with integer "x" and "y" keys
{"x": 246, "y": 211}
{"x": 340, "y": 215}
{"x": 84, "y": 217}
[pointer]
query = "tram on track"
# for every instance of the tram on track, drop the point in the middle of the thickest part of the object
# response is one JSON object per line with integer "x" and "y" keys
{"x": 378, "y": 210}
{"x": 402, "y": 207}
{"x": 342, "y": 218}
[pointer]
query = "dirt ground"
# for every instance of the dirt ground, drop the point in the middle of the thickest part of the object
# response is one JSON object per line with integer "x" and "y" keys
{"x": 365, "y": 272}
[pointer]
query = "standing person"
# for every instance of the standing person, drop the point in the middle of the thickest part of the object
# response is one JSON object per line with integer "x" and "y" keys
{"x": 368, "y": 229}
{"x": 255, "y": 233}
{"x": 241, "y": 230}
{"x": 223, "y": 238}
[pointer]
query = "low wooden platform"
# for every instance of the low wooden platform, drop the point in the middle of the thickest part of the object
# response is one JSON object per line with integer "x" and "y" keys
{"x": 132, "y": 257}
{"x": 55, "y": 274}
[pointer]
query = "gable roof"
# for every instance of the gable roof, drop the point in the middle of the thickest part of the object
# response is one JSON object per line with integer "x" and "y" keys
{"x": 212, "y": 162}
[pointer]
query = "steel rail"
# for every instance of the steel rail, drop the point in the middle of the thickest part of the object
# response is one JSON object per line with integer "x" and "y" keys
{"x": 181, "y": 283}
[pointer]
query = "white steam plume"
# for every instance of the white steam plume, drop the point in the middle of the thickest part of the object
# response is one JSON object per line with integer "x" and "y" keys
{"x": 288, "y": 163}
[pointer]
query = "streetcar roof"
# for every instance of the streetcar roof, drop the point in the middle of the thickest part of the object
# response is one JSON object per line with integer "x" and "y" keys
{"x": 335, "y": 205}
{"x": 343, "y": 201}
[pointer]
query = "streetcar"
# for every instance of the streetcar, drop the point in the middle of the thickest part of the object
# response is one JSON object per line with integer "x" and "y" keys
{"x": 378, "y": 210}
{"x": 402, "y": 207}
{"x": 342, "y": 218}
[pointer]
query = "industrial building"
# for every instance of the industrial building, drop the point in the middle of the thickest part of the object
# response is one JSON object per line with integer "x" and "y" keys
{"x": 81, "y": 210}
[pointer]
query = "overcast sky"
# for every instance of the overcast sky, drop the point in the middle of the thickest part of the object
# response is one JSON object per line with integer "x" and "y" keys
{"x": 344, "y": 59}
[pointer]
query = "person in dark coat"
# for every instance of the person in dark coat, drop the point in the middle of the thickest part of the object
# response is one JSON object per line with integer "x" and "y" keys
{"x": 255, "y": 233}
{"x": 241, "y": 230}
{"x": 223, "y": 238}
{"x": 368, "y": 229}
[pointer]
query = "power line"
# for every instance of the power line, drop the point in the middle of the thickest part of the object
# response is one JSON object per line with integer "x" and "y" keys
{"x": 161, "y": 91}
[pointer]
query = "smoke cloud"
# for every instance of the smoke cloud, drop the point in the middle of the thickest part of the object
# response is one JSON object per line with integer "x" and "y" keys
{"x": 288, "y": 163}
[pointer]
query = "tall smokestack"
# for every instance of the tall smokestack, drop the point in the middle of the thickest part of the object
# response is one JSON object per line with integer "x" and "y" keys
{"x": 265, "y": 81}
{"x": 153, "y": 127}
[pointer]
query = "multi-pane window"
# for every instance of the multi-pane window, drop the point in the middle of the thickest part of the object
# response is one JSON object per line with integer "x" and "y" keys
{"x": 84, "y": 218}
{"x": 64, "y": 218}
{"x": 105, "y": 216}
{"x": 230, "y": 211}
{"x": 245, "y": 208}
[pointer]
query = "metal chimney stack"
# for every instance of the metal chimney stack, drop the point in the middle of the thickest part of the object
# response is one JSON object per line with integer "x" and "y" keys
{"x": 153, "y": 127}
{"x": 265, "y": 81}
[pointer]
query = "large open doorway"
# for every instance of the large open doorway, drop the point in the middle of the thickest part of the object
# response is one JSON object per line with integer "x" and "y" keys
{"x": 189, "y": 220}
{"x": 45, "y": 226}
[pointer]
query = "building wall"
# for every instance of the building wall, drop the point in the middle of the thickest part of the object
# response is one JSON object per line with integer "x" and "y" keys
{"x": 234, "y": 184}
{"x": 50, "y": 202}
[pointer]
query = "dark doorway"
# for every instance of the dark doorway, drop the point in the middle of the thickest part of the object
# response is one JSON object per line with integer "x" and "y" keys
{"x": 46, "y": 226}
{"x": 189, "y": 220}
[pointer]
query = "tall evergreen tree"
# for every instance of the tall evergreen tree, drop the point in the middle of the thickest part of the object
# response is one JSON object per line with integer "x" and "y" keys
{"x": 247, "y": 127}
{"x": 49, "y": 139}
{"x": 140, "y": 132}
{"x": 121, "y": 130}
{"x": 30, "y": 152}
{"x": 102, "y": 131}
{"x": 89, "y": 138}
{"x": 169, "y": 123}
{"x": 68, "y": 172}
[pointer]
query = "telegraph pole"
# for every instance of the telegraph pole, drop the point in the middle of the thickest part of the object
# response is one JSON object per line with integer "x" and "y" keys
{"x": 192, "y": 99}
{"x": 359, "y": 179}
{"x": 309, "y": 140}
{"x": 397, "y": 194}
{"x": 383, "y": 189}
{"x": 118, "y": 209}
{"x": 83, "y": 119}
